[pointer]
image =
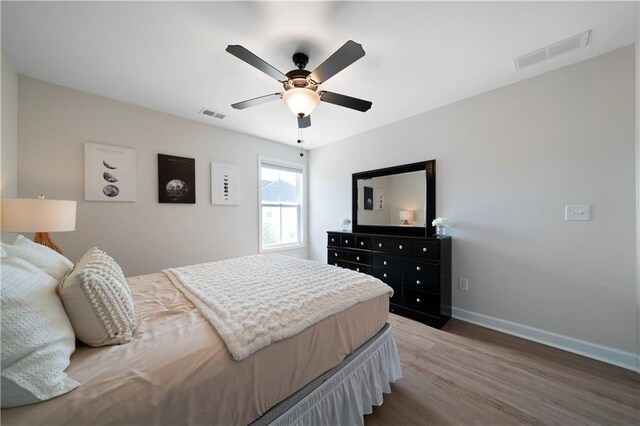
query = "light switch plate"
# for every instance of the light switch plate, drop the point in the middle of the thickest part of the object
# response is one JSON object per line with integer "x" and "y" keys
{"x": 463, "y": 284}
{"x": 577, "y": 212}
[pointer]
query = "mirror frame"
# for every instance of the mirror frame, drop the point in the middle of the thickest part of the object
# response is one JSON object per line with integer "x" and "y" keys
{"x": 430, "y": 199}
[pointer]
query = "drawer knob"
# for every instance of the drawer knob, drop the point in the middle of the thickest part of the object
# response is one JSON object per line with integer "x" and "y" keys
{"x": 361, "y": 243}
{"x": 333, "y": 239}
{"x": 400, "y": 247}
{"x": 384, "y": 263}
{"x": 418, "y": 300}
{"x": 335, "y": 254}
{"x": 380, "y": 245}
{"x": 384, "y": 275}
{"x": 346, "y": 241}
{"x": 357, "y": 257}
{"x": 336, "y": 264}
{"x": 418, "y": 282}
{"x": 424, "y": 249}
{"x": 357, "y": 269}
{"x": 417, "y": 268}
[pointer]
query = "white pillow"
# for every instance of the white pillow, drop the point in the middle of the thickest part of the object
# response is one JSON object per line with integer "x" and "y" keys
{"x": 98, "y": 301}
{"x": 37, "y": 337}
{"x": 42, "y": 257}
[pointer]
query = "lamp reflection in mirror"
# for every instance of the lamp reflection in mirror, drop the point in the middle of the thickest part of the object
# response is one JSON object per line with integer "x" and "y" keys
{"x": 40, "y": 216}
{"x": 301, "y": 101}
{"x": 406, "y": 216}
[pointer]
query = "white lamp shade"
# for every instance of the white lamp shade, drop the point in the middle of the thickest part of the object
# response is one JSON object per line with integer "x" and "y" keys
{"x": 406, "y": 215}
{"x": 301, "y": 101}
{"x": 35, "y": 215}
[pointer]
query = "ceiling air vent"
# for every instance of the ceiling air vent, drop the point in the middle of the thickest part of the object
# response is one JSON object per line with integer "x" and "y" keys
{"x": 555, "y": 49}
{"x": 210, "y": 113}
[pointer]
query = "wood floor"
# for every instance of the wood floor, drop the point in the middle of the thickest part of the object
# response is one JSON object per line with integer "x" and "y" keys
{"x": 465, "y": 374}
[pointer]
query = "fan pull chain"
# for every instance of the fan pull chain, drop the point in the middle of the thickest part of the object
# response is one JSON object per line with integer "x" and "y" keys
{"x": 300, "y": 142}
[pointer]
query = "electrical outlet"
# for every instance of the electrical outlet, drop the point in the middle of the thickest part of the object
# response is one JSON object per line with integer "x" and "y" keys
{"x": 577, "y": 212}
{"x": 463, "y": 284}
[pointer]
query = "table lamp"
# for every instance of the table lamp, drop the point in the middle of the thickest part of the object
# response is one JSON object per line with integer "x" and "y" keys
{"x": 406, "y": 216}
{"x": 38, "y": 215}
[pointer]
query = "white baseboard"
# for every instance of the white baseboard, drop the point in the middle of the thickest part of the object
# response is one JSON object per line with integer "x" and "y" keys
{"x": 613, "y": 356}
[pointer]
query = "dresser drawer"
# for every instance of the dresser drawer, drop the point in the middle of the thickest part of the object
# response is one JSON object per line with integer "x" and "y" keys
{"x": 347, "y": 240}
{"x": 393, "y": 277}
{"x": 357, "y": 257}
{"x": 392, "y": 245}
{"x": 401, "y": 247}
{"x": 386, "y": 262}
{"x": 363, "y": 243}
{"x": 360, "y": 268}
{"x": 333, "y": 255}
{"x": 426, "y": 249}
{"x": 333, "y": 239}
{"x": 423, "y": 302}
{"x": 339, "y": 263}
{"x": 421, "y": 276}
{"x": 381, "y": 244}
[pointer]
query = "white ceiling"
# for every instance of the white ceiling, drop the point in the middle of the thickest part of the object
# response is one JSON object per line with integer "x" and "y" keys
{"x": 170, "y": 56}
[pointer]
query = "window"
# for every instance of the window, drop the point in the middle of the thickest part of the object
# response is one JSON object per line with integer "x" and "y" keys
{"x": 280, "y": 204}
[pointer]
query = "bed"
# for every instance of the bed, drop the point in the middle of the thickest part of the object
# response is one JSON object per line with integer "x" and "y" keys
{"x": 177, "y": 370}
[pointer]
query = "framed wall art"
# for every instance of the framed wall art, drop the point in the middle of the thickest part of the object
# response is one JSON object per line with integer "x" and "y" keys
{"x": 378, "y": 199}
{"x": 109, "y": 173}
{"x": 368, "y": 198}
{"x": 225, "y": 184}
{"x": 176, "y": 179}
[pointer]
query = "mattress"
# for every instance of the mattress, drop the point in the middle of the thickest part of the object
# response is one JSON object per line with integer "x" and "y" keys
{"x": 179, "y": 371}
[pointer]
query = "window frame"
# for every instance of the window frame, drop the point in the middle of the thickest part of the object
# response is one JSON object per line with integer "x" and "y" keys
{"x": 302, "y": 223}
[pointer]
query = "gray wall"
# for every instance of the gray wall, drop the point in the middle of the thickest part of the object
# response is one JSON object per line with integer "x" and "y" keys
{"x": 9, "y": 135}
{"x": 507, "y": 163}
{"x": 9, "y": 142}
{"x": 144, "y": 236}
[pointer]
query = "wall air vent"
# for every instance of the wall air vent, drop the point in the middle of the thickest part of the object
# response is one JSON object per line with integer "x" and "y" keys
{"x": 209, "y": 113}
{"x": 555, "y": 49}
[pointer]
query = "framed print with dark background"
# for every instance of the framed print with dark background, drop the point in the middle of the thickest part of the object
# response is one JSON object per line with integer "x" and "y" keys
{"x": 176, "y": 179}
{"x": 368, "y": 198}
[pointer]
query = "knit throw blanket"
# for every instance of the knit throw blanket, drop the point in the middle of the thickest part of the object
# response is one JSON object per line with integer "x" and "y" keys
{"x": 256, "y": 300}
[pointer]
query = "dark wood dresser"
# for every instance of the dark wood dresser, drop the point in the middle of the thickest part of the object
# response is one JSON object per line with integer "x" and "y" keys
{"x": 418, "y": 269}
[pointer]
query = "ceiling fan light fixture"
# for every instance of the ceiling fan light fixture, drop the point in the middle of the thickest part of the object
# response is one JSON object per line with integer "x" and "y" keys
{"x": 301, "y": 101}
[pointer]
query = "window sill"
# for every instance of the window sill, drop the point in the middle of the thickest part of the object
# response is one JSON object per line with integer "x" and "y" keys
{"x": 282, "y": 247}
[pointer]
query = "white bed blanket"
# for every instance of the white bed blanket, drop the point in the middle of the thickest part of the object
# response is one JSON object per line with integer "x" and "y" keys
{"x": 256, "y": 300}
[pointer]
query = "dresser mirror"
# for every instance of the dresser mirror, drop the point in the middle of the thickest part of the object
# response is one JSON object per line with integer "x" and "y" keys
{"x": 397, "y": 200}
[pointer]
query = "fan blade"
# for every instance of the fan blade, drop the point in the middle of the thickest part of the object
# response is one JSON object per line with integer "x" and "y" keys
{"x": 345, "y": 101}
{"x": 304, "y": 122}
{"x": 244, "y": 55}
{"x": 342, "y": 58}
{"x": 257, "y": 101}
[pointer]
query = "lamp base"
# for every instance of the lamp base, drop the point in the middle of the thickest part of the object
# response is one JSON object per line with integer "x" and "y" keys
{"x": 44, "y": 239}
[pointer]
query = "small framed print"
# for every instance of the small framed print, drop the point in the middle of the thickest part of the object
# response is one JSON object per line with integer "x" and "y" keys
{"x": 225, "y": 184}
{"x": 378, "y": 199}
{"x": 109, "y": 173}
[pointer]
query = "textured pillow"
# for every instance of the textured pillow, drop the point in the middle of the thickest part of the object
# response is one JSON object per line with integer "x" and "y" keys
{"x": 37, "y": 337}
{"x": 42, "y": 257}
{"x": 98, "y": 301}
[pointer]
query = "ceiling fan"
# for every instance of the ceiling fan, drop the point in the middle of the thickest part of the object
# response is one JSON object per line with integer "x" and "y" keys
{"x": 301, "y": 93}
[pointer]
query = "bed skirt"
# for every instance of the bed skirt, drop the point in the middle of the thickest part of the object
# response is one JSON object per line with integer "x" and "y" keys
{"x": 345, "y": 393}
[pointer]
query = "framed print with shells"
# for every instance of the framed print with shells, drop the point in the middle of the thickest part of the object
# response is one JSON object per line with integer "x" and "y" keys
{"x": 225, "y": 184}
{"x": 176, "y": 179}
{"x": 109, "y": 173}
